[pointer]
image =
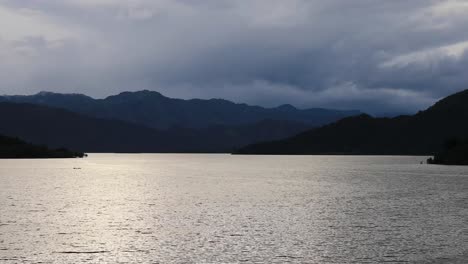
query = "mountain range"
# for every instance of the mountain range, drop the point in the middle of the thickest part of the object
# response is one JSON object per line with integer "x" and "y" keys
{"x": 132, "y": 122}
{"x": 149, "y": 122}
{"x": 152, "y": 109}
{"x": 421, "y": 134}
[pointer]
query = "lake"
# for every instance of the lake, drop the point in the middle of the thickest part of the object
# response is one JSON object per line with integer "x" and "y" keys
{"x": 177, "y": 208}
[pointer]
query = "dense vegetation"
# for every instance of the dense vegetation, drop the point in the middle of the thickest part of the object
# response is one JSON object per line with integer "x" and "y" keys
{"x": 14, "y": 148}
{"x": 420, "y": 134}
{"x": 455, "y": 152}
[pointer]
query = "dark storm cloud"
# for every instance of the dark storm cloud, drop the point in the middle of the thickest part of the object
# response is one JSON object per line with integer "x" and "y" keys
{"x": 374, "y": 55}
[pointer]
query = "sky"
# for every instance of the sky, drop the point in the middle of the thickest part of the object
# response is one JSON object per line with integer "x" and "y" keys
{"x": 378, "y": 56}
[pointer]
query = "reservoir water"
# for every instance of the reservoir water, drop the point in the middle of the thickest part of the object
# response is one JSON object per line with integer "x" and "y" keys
{"x": 163, "y": 208}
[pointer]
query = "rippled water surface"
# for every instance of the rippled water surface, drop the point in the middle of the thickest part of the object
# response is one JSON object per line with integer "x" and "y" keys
{"x": 232, "y": 209}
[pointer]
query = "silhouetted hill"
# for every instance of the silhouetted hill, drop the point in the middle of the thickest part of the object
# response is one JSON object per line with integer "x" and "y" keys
{"x": 455, "y": 152}
{"x": 420, "y": 134}
{"x": 61, "y": 128}
{"x": 155, "y": 110}
{"x": 14, "y": 148}
{"x": 229, "y": 138}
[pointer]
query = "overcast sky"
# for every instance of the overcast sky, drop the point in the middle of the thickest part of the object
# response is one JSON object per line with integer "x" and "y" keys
{"x": 373, "y": 55}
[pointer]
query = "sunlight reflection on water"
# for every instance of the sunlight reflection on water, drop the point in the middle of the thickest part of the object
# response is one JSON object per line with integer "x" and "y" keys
{"x": 231, "y": 209}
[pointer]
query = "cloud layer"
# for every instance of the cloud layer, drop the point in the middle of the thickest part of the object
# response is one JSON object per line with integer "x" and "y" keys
{"x": 374, "y": 55}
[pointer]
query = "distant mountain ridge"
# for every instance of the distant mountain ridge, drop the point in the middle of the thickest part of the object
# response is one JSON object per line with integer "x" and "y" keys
{"x": 154, "y": 110}
{"x": 420, "y": 134}
{"x": 59, "y": 128}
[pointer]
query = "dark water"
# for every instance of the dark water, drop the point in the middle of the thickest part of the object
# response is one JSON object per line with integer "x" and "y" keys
{"x": 232, "y": 209}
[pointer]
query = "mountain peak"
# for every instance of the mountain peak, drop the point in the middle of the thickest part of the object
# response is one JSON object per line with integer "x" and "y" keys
{"x": 141, "y": 92}
{"x": 139, "y": 96}
{"x": 286, "y": 107}
{"x": 45, "y": 93}
{"x": 53, "y": 94}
